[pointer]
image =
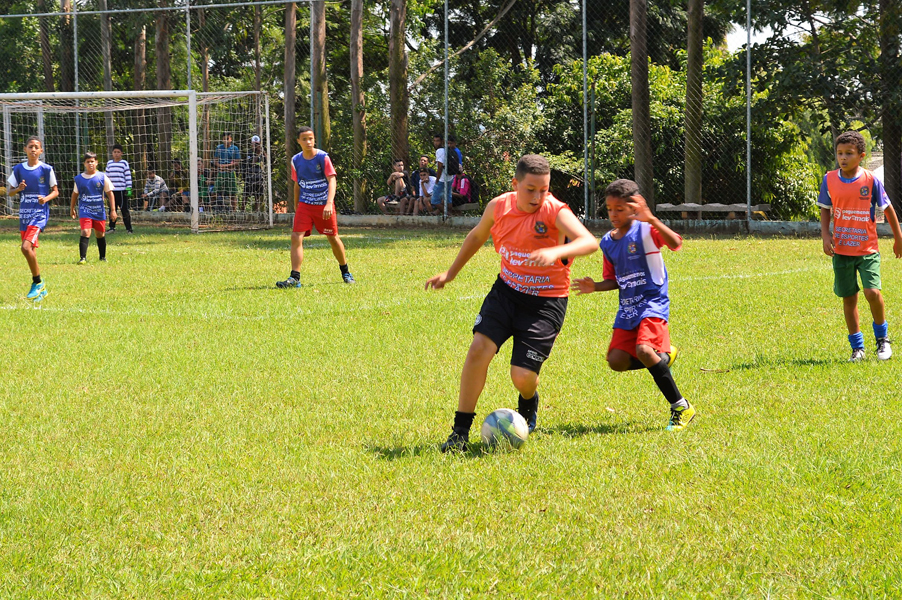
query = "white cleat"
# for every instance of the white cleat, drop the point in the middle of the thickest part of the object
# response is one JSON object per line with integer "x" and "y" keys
{"x": 884, "y": 349}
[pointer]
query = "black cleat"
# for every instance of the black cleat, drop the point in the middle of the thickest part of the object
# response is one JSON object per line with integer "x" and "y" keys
{"x": 457, "y": 441}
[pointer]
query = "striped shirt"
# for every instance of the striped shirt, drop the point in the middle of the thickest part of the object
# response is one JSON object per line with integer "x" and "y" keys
{"x": 119, "y": 173}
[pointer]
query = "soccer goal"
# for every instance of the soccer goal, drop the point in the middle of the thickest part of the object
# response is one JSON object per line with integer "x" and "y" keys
{"x": 212, "y": 150}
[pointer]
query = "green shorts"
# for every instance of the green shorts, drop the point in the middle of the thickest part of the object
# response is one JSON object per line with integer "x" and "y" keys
{"x": 845, "y": 281}
{"x": 226, "y": 183}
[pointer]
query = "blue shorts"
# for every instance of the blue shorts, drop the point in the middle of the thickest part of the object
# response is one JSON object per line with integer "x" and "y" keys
{"x": 438, "y": 193}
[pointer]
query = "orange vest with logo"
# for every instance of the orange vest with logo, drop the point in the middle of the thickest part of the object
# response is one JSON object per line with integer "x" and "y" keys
{"x": 516, "y": 234}
{"x": 854, "y": 210}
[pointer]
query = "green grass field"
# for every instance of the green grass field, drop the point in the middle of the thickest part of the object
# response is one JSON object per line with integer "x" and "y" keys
{"x": 172, "y": 426}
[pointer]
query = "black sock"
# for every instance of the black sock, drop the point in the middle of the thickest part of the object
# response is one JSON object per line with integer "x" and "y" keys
{"x": 635, "y": 364}
{"x": 296, "y": 275}
{"x": 664, "y": 380}
{"x": 528, "y": 408}
{"x": 83, "y": 246}
{"x": 344, "y": 268}
{"x": 36, "y": 279}
{"x": 101, "y": 246}
{"x": 463, "y": 421}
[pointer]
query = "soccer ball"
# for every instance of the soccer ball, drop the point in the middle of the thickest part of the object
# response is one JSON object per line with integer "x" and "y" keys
{"x": 505, "y": 426}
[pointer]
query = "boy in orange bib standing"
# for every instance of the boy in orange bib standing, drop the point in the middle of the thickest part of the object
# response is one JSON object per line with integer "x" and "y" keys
{"x": 537, "y": 236}
{"x": 854, "y": 196}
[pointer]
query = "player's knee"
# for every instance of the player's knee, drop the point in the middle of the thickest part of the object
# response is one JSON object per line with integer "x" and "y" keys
{"x": 645, "y": 353}
{"x": 524, "y": 380}
{"x": 482, "y": 346}
{"x": 617, "y": 362}
{"x": 871, "y": 294}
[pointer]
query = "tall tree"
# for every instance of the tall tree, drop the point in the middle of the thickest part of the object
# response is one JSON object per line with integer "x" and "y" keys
{"x": 321, "y": 123}
{"x": 164, "y": 82}
{"x": 290, "y": 81}
{"x": 257, "y": 24}
{"x": 67, "y": 54}
{"x": 140, "y": 81}
{"x": 693, "y": 129}
{"x": 397, "y": 80}
{"x": 207, "y": 148}
{"x": 641, "y": 100}
{"x": 359, "y": 104}
{"x": 891, "y": 78}
{"x": 46, "y": 52}
{"x": 105, "y": 34}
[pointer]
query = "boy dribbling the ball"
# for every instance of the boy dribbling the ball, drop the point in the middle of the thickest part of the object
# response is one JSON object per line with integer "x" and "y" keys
{"x": 531, "y": 230}
{"x": 36, "y": 181}
{"x": 853, "y": 195}
{"x": 633, "y": 265}
{"x": 87, "y": 206}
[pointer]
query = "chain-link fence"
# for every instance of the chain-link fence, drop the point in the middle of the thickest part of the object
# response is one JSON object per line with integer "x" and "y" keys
{"x": 653, "y": 91}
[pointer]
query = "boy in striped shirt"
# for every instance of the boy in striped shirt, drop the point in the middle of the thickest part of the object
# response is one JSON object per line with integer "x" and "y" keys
{"x": 120, "y": 174}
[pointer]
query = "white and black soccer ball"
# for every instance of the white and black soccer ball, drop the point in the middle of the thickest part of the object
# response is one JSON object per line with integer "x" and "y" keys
{"x": 505, "y": 427}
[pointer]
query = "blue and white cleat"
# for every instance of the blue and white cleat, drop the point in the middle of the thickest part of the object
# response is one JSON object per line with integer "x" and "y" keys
{"x": 37, "y": 292}
{"x": 291, "y": 282}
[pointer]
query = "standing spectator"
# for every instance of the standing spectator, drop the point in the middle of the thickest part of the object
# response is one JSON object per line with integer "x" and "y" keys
{"x": 155, "y": 189}
{"x": 443, "y": 173}
{"x": 228, "y": 159}
{"x": 120, "y": 173}
{"x": 253, "y": 174}
{"x": 452, "y": 145}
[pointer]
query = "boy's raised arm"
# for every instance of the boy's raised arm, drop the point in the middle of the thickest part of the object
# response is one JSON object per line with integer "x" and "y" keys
{"x": 477, "y": 237}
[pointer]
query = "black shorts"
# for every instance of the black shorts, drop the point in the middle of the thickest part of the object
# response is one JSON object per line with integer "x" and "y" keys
{"x": 533, "y": 321}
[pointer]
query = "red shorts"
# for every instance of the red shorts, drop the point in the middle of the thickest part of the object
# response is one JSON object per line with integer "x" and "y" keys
{"x": 31, "y": 234}
{"x": 652, "y": 332}
{"x": 98, "y": 226}
{"x": 309, "y": 215}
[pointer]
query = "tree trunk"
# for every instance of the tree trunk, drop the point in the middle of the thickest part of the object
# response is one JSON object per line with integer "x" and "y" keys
{"x": 207, "y": 147}
{"x": 46, "y": 52}
{"x": 257, "y": 75}
{"x": 397, "y": 81}
{"x": 290, "y": 81}
{"x": 891, "y": 75}
{"x": 67, "y": 54}
{"x": 105, "y": 35}
{"x": 164, "y": 82}
{"x": 693, "y": 124}
{"x": 321, "y": 124}
{"x": 359, "y": 104}
{"x": 140, "y": 136}
{"x": 641, "y": 101}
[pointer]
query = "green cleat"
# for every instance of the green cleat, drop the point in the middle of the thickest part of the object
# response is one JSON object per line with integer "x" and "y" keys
{"x": 680, "y": 418}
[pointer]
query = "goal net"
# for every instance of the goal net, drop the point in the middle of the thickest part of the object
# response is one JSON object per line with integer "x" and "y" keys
{"x": 210, "y": 149}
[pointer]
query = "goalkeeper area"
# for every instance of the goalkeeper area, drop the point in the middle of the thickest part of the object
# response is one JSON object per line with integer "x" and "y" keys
{"x": 174, "y": 426}
{"x": 212, "y": 150}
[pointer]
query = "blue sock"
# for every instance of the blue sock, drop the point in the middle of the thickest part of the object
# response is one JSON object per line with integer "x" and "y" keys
{"x": 857, "y": 341}
{"x": 880, "y": 331}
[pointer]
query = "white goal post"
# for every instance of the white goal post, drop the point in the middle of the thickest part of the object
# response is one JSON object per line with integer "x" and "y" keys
{"x": 223, "y": 136}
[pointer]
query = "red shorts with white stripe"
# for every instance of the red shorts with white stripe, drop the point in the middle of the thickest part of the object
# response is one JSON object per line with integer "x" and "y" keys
{"x": 31, "y": 234}
{"x": 309, "y": 215}
{"x": 652, "y": 331}
{"x": 98, "y": 226}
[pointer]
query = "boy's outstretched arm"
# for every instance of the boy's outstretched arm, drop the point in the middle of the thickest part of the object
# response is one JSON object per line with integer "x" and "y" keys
{"x": 893, "y": 221}
{"x": 581, "y": 243}
{"x": 587, "y": 285}
{"x": 825, "y": 231}
{"x": 477, "y": 237}
{"x": 643, "y": 213}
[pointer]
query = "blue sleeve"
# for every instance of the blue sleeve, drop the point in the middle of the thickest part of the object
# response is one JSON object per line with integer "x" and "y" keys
{"x": 879, "y": 194}
{"x": 823, "y": 198}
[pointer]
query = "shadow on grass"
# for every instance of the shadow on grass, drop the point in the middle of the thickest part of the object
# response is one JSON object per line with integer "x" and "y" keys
{"x": 788, "y": 362}
{"x": 580, "y": 429}
{"x": 474, "y": 450}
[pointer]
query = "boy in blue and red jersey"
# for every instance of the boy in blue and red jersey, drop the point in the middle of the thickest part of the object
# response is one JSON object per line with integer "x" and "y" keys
{"x": 633, "y": 265}
{"x": 853, "y": 195}
{"x": 88, "y": 207}
{"x": 36, "y": 181}
{"x": 314, "y": 199}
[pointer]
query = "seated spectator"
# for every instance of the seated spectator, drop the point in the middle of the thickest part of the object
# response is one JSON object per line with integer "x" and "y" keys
{"x": 180, "y": 180}
{"x": 398, "y": 190}
{"x": 155, "y": 189}
{"x": 424, "y": 201}
{"x": 415, "y": 179}
{"x": 461, "y": 189}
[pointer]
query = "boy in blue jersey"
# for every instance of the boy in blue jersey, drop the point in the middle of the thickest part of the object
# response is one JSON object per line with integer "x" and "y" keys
{"x": 87, "y": 206}
{"x": 633, "y": 265}
{"x": 36, "y": 182}
{"x": 314, "y": 199}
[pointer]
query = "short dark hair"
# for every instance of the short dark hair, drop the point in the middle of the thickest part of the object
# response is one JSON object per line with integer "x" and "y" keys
{"x": 151, "y": 170}
{"x": 439, "y": 136}
{"x": 34, "y": 138}
{"x": 424, "y": 171}
{"x": 117, "y": 147}
{"x": 532, "y": 163}
{"x": 851, "y": 137}
{"x": 304, "y": 129}
{"x": 621, "y": 188}
{"x": 451, "y": 138}
{"x": 397, "y": 160}
{"x": 226, "y": 134}
{"x": 89, "y": 154}
{"x": 424, "y": 156}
